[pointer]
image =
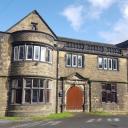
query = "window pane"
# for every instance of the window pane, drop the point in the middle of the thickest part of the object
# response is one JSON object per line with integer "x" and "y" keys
{"x": 17, "y": 83}
{"x": 28, "y": 95}
{"x": 68, "y": 60}
{"x": 28, "y": 82}
{"x": 103, "y": 96}
{"x": 114, "y": 88}
{"x": 114, "y": 64}
{"x": 49, "y": 55}
{"x": 74, "y": 60}
{"x": 35, "y": 82}
{"x": 16, "y": 53}
{"x": 36, "y": 52}
{"x": 34, "y": 26}
{"x": 42, "y": 83}
{"x": 47, "y": 84}
{"x": 100, "y": 62}
{"x": 109, "y": 64}
{"x": 108, "y": 97}
{"x": 41, "y": 97}
{"x": 14, "y": 83}
{"x": 79, "y": 61}
{"x": 113, "y": 97}
{"x": 108, "y": 87}
{"x": 105, "y": 63}
{"x": 21, "y": 52}
{"x": 35, "y": 95}
{"x": 47, "y": 95}
{"x": 20, "y": 82}
{"x": 18, "y": 96}
{"x": 103, "y": 86}
{"x": 43, "y": 54}
{"x": 29, "y": 53}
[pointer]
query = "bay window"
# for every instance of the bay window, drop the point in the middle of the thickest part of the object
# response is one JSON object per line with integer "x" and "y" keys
{"x": 32, "y": 52}
{"x": 30, "y": 90}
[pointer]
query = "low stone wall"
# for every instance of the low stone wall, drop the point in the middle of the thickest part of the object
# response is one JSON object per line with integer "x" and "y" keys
{"x": 29, "y": 110}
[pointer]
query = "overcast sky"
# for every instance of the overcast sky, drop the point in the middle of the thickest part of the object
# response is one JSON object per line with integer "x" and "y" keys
{"x": 97, "y": 20}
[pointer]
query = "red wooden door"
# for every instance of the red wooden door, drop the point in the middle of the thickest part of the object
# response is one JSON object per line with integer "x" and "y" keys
{"x": 74, "y": 99}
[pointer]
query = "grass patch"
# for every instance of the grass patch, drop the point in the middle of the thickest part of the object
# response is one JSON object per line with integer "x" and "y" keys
{"x": 53, "y": 116}
{"x": 101, "y": 113}
{"x": 40, "y": 117}
{"x": 12, "y": 118}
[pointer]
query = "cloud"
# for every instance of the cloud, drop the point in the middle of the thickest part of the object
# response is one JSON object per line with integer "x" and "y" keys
{"x": 92, "y": 10}
{"x": 74, "y": 14}
{"x": 97, "y": 7}
{"x": 118, "y": 32}
{"x": 124, "y": 10}
{"x": 103, "y": 4}
{"x": 78, "y": 14}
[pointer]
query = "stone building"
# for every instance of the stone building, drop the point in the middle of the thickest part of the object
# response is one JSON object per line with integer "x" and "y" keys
{"x": 42, "y": 73}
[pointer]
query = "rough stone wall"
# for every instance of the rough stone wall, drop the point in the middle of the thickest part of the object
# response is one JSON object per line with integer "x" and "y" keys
{"x": 5, "y": 60}
{"x": 34, "y": 68}
{"x": 3, "y": 95}
{"x": 33, "y": 36}
{"x": 25, "y": 24}
{"x": 91, "y": 70}
{"x": 98, "y": 105}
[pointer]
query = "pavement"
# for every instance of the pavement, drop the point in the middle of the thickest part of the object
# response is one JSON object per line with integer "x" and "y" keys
{"x": 78, "y": 121}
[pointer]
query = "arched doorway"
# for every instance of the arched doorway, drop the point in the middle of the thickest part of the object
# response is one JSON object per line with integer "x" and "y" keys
{"x": 74, "y": 98}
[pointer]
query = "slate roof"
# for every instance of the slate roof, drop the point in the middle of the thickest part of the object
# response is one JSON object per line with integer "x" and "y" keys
{"x": 123, "y": 44}
{"x": 65, "y": 39}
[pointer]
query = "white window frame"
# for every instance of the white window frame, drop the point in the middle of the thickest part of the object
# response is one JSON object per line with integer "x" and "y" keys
{"x": 105, "y": 62}
{"x": 109, "y": 67}
{"x": 19, "y": 52}
{"x": 69, "y": 55}
{"x": 27, "y": 52}
{"x": 100, "y": 63}
{"x": 81, "y": 61}
{"x": 43, "y": 56}
{"x": 50, "y": 55}
{"x": 37, "y": 48}
{"x": 115, "y": 65}
{"x": 74, "y": 56}
{"x": 16, "y": 55}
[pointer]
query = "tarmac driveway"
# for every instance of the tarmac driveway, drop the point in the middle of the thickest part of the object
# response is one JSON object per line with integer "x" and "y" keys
{"x": 79, "y": 121}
